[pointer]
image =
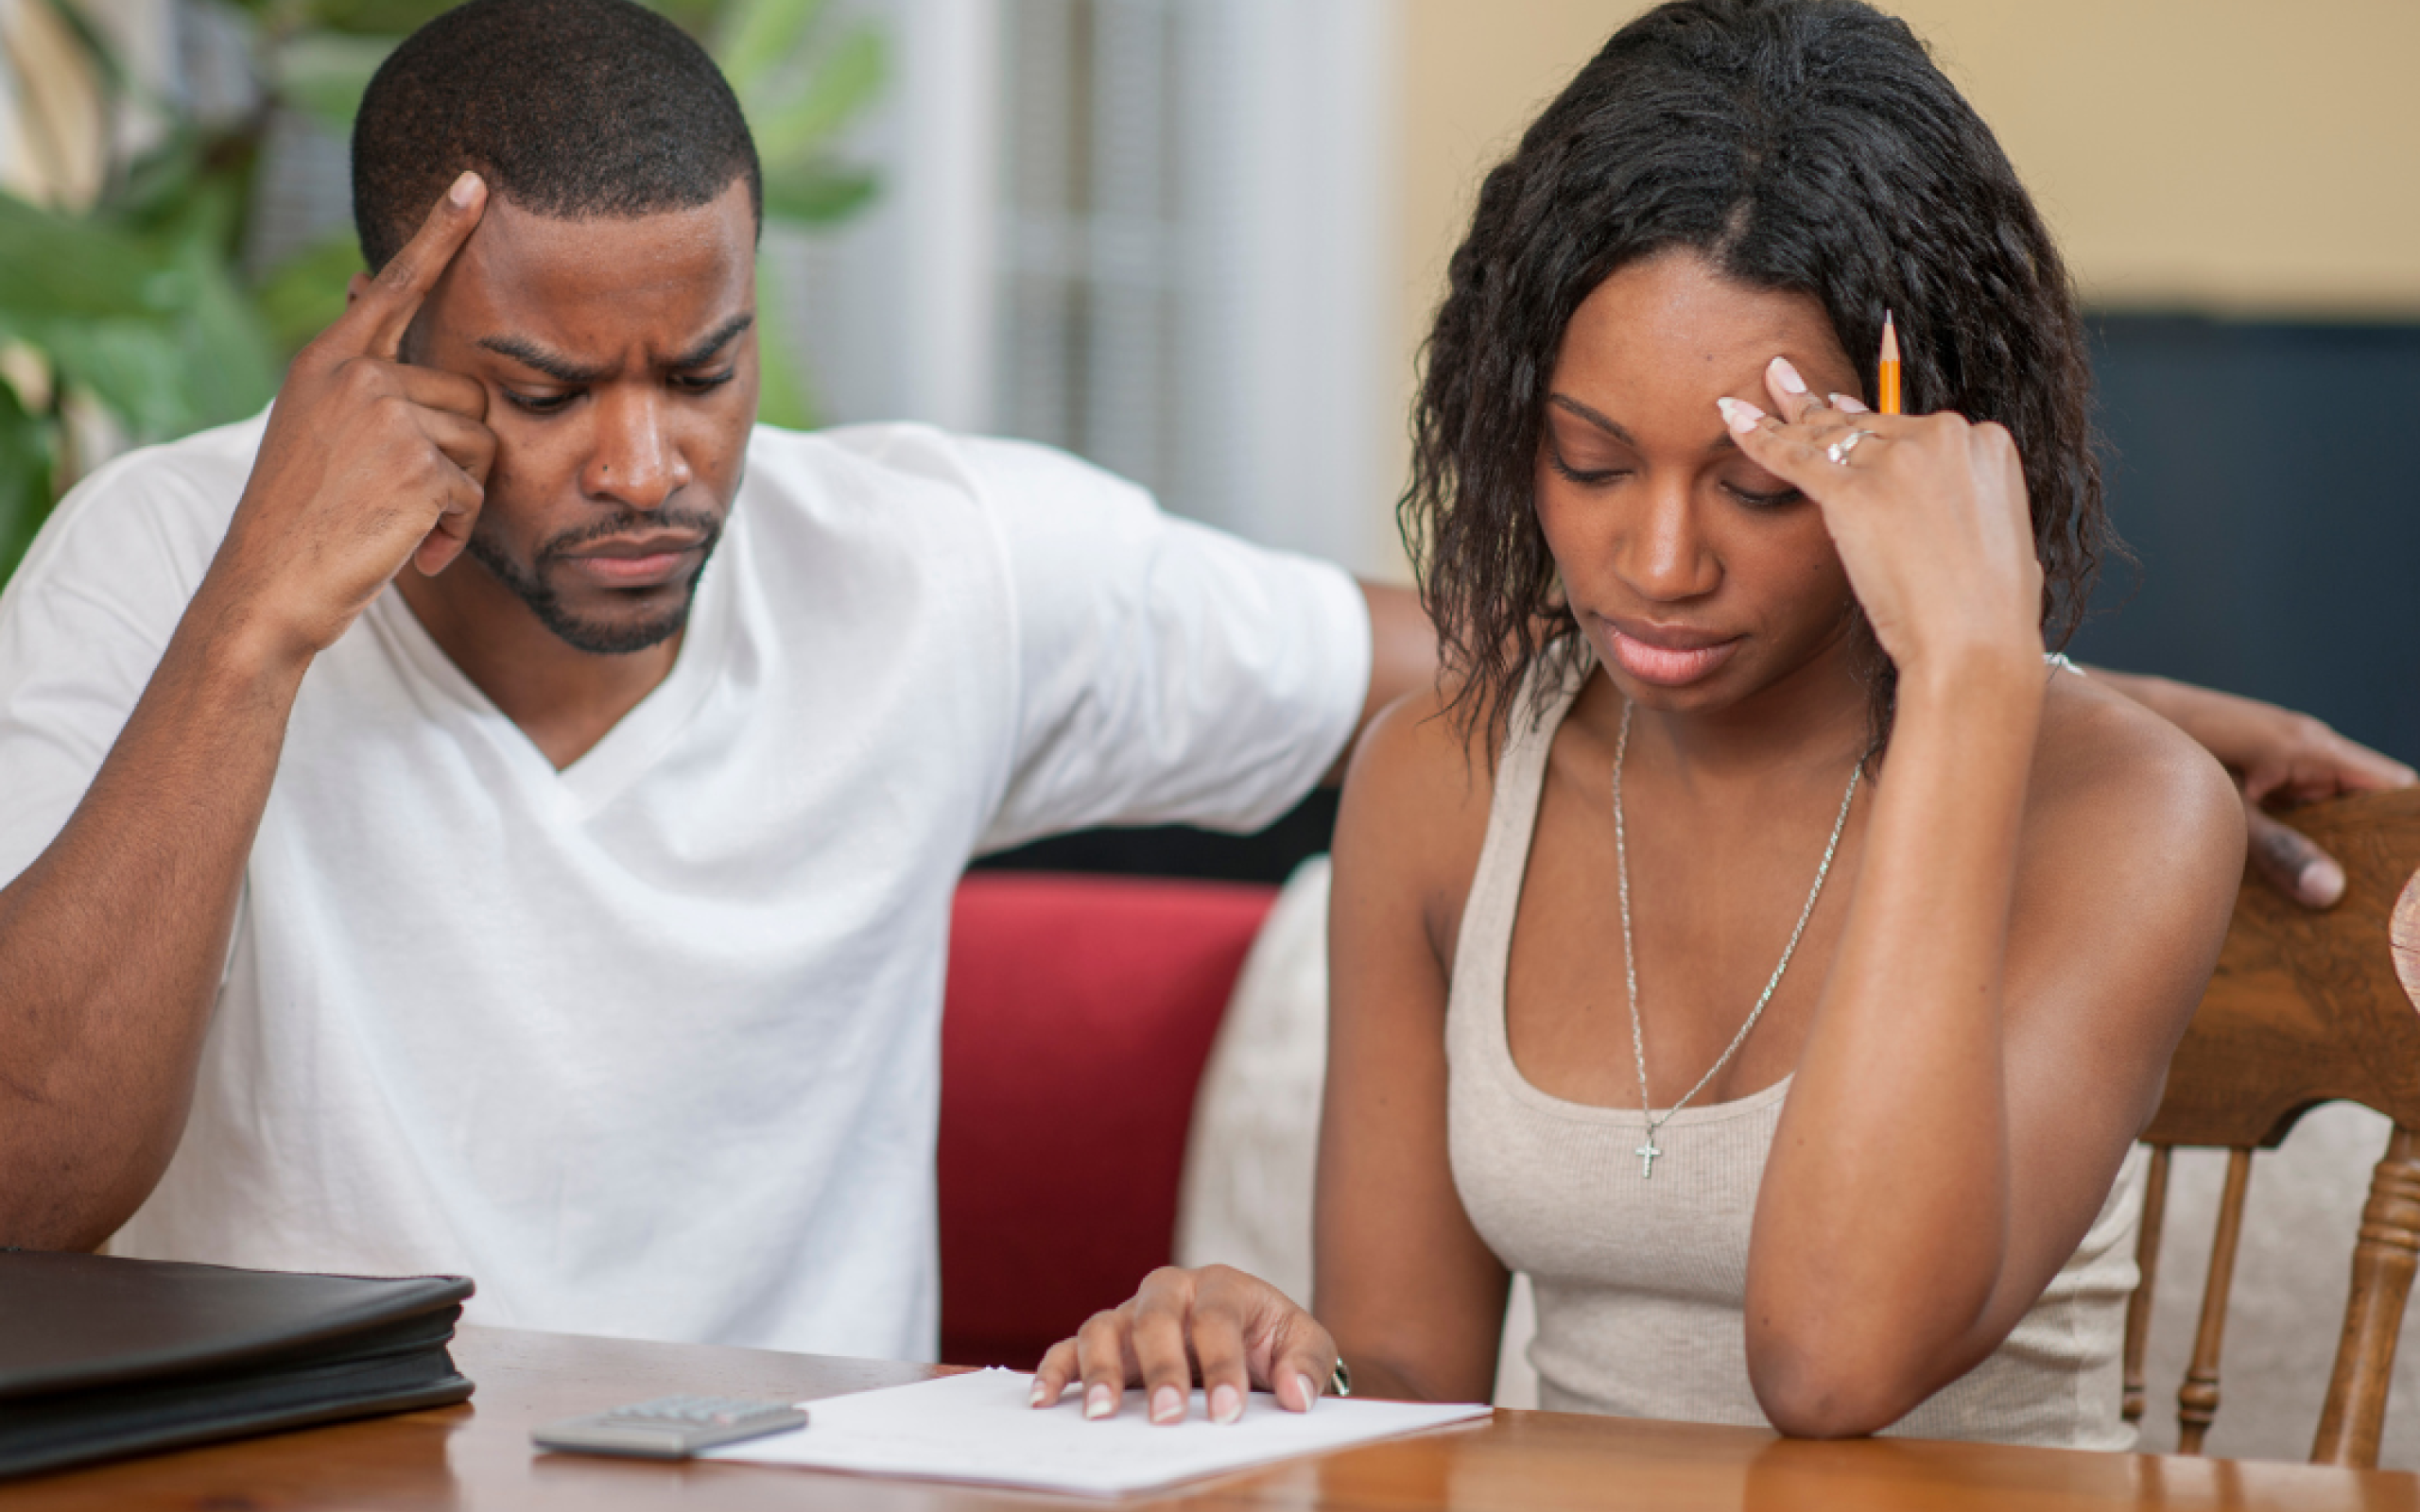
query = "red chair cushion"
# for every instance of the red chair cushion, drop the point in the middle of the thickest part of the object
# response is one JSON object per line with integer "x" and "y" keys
{"x": 1079, "y": 1016}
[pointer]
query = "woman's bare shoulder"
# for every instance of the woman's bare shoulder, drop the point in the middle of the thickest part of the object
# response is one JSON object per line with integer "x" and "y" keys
{"x": 2101, "y": 755}
{"x": 2126, "y": 879}
{"x": 2129, "y": 818}
{"x": 1416, "y": 799}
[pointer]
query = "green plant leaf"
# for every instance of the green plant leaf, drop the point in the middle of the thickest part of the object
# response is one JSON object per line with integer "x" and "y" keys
{"x": 156, "y": 185}
{"x": 752, "y": 39}
{"x": 324, "y": 73}
{"x": 228, "y": 369}
{"x": 136, "y": 367}
{"x": 55, "y": 267}
{"x": 782, "y": 394}
{"x": 843, "y": 82}
{"x": 817, "y": 194}
{"x": 370, "y": 18}
{"x": 108, "y": 307}
{"x": 28, "y": 456}
{"x": 304, "y": 294}
{"x": 696, "y": 17}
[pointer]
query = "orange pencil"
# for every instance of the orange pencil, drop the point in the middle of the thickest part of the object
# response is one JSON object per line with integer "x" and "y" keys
{"x": 1887, "y": 381}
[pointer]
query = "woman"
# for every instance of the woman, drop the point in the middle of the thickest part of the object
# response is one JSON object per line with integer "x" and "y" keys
{"x": 1759, "y": 942}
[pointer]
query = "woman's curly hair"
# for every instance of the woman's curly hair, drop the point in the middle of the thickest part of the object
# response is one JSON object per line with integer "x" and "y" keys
{"x": 1801, "y": 146}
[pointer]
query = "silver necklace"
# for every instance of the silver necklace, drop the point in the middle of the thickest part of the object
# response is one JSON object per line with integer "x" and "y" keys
{"x": 1647, "y": 1152}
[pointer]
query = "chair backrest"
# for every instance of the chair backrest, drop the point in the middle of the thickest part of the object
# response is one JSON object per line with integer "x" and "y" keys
{"x": 1079, "y": 1015}
{"x": 2306, "y": 1008}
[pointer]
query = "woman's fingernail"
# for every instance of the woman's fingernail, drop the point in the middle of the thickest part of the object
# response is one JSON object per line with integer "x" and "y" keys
{"x": 464, "y": 188}
{"x": 2322, "y": 882}
{"x": 1100, "y": 1401}
{"x": 1226, "y": 1404}
{"x": 1167, "y": 1404}
{"x": 1850, "y": 403}
{"x": 1739, "y": 415}
{"x": 1040, "y": 1391}
{"x": 1310, "y": 1393}
{"x": 1787, "y": 377}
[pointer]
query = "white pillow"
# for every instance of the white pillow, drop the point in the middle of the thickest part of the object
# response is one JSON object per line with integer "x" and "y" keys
{"x": 1246, "y": 1198}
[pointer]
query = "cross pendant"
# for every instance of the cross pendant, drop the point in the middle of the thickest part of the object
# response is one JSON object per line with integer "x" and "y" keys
{"x": 1646, "y": 1154}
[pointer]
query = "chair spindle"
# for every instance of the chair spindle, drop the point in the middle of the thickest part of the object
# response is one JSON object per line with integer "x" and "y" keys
{"x": 2138, "y": 1307}
{"x": 2384, "y": 1259}
{"x": 2304, "y": 1008}
{"x": 2197, "y": 1400}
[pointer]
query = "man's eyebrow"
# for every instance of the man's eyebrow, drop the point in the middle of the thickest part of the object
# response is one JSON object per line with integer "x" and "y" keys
{"x": 564, "y": 371}
{"x": 554, "y": 364}
{"x": 721, "y": 336}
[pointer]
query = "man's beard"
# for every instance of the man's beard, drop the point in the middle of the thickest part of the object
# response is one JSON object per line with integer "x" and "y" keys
{"x": 600, "y": 637}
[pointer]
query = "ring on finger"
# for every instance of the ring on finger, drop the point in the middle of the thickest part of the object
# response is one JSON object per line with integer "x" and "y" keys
{"x": 1838, "y": 450}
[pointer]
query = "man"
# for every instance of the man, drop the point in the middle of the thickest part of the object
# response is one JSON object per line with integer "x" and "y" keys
{"x": 586, "y": 934}
{"x": 573, "y": 916}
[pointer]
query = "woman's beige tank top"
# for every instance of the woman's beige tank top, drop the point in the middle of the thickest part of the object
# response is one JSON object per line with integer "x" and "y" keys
{"x": 1640, "y": 1284}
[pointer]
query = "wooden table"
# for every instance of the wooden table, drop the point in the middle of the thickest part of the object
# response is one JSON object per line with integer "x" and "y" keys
{"x": 478, "y": 1457}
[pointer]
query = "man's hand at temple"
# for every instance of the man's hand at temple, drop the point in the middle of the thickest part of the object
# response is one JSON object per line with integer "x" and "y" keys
{"x": 368, "y": 463}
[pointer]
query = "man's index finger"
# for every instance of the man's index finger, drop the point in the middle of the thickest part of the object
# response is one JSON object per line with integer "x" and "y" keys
{"x": 394, "y": 296}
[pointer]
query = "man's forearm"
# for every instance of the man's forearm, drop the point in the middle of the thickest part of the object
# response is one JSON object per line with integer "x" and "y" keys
{"x": 112, "y": 941}
{"x": 2235, "y": 729}
{"x": 2170, "y": 700}
{"x": 1403, "y": 655}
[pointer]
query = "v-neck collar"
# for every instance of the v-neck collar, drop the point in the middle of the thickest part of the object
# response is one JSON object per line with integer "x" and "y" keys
{"x": 606, "y": 770}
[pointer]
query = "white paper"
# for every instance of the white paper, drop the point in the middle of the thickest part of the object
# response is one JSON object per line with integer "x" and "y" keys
{"x": 978, "y": 1427}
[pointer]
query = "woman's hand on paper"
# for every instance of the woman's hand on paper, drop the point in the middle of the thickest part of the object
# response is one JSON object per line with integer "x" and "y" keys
{"x": 1232, "y": 1332}
{"x": 1928, "y": 513}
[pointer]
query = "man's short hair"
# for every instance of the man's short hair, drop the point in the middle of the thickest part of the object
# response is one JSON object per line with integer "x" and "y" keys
{"x": 570, "y": 109}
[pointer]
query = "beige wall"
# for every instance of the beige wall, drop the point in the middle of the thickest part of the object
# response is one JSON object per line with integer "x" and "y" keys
{"x": 2249, "y": 156}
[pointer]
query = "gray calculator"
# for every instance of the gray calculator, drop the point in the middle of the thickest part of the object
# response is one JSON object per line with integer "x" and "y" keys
{"x": 670, "y": 1427}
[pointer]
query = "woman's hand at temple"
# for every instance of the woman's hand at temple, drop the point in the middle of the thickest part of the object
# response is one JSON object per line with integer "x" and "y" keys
{"x": 1230, "y": 1330}
{"x": 1928, "y": 512}
{"x": 2280, "y": 759}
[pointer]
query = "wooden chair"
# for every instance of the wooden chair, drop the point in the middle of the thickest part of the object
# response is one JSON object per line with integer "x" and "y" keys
{"x": 2306, "y": 1008}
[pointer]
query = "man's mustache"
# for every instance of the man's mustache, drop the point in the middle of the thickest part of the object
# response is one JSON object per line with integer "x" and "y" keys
{"x": 702, "y": 524}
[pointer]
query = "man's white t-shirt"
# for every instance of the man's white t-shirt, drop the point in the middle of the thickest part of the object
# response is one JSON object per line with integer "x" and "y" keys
{"x": 650, "y": 1046}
